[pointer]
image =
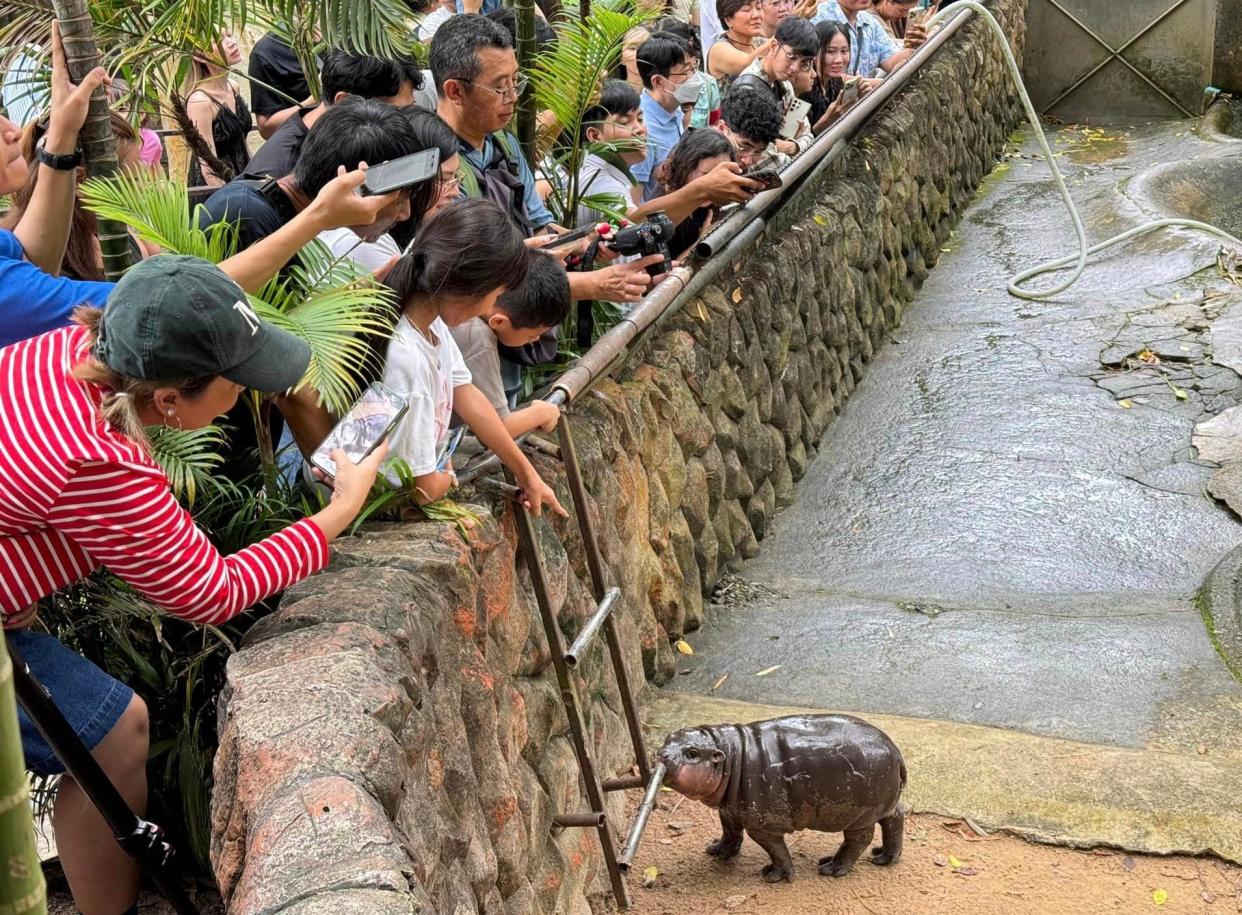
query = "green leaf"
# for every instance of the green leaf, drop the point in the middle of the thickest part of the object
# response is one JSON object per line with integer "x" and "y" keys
{"x": 190, "y": 458}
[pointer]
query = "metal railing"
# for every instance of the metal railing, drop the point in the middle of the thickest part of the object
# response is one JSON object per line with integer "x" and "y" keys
{"x": 713, "y": 253}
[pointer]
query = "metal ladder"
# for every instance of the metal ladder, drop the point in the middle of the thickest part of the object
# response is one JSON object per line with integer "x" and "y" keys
{"x": 565, "y": 660}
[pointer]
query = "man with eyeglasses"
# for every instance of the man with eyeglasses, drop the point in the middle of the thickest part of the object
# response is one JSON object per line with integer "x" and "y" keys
{"x": 671, "y": 80}
{"x": 793, "y": 52}
{"x": 476, "y": 72}
{"x": 871, "y": 47}
{"x": 751, "y": 120}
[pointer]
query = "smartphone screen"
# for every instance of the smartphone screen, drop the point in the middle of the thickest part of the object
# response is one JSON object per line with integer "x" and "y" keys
{"x": 568, "y": 238}
{"x": 369, "y": 421}
{"x": 398, "y": 174}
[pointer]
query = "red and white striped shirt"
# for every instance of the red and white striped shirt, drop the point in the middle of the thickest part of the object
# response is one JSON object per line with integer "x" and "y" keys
{"x": 75, "y": 494}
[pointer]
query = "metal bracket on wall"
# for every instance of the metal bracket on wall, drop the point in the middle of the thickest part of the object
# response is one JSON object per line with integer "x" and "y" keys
{"x": 1116, "y": 54}
{"x": 565, "y": 660}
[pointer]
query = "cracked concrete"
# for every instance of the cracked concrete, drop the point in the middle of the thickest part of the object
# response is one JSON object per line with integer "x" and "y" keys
{"x": 999, "y": 530}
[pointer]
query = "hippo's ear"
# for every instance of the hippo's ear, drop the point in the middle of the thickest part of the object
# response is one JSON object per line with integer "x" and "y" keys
{"x": 716, "y": 756}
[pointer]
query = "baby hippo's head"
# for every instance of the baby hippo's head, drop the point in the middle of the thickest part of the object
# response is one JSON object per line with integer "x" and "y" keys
{"x": 693, "y": 762}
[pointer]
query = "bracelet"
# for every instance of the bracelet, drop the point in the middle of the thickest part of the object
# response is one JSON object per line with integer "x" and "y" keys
{"x": 61, "y": 163}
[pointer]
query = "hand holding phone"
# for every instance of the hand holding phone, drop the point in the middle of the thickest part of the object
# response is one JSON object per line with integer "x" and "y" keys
{"x": 852, "y": 91}
{"x": 368, "y": 423}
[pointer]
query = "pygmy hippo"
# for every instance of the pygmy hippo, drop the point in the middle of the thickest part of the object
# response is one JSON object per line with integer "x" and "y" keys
{"x": 833, "y": 773}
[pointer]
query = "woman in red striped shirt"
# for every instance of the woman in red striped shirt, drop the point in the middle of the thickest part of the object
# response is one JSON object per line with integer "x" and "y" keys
{"x": 176, "y": 345}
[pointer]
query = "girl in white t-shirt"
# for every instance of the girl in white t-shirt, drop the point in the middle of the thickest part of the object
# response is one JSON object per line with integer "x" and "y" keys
{"x": 463, "y": 259}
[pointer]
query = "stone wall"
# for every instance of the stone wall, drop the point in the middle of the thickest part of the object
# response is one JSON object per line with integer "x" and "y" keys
{"x": 391, "y": 740}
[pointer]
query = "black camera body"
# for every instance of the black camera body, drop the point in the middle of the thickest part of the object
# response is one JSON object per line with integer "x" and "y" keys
{"x": 650, "y": 237}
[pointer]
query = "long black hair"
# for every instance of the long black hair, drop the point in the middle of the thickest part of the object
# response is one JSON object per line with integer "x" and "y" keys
{"x": 674, "y": 173}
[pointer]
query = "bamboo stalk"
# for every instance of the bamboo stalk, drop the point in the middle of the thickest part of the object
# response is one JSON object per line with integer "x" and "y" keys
{"x": 22, "y": 889}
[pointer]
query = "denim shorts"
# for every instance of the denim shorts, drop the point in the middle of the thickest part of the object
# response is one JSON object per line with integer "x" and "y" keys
{"x": 91, "y": 701}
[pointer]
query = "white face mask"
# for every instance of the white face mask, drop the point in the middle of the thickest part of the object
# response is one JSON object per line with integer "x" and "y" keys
{"x": 688, "y": 92}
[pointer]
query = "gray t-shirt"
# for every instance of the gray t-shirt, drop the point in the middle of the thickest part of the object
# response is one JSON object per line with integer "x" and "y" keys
{"x": 477, "y": 343}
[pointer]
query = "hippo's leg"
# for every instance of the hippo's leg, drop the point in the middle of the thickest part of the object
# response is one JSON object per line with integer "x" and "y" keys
{"x": 730, "y": 841}
{"x": 840, "y": 864}
{"x": 781, "y": 867}
{"x": 892, "y": 828}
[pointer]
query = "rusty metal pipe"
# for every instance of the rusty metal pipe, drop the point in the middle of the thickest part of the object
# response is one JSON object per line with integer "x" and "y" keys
{"x": 639, "y": 826}
{"x": 590, "y": 820}
{"x": 623, "y": 783}
{"x": 591, "y": 629}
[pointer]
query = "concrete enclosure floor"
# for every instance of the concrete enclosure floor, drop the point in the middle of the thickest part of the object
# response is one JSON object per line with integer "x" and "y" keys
{"x": 1007, "y": 524}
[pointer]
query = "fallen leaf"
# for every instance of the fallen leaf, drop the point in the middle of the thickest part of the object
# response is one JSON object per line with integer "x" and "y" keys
{"x": 965, "y": 871}
{"x": 1180, "y": 394}
{"x": 666, "y": 841}
{"x": 1208, "y": 897}
{"x": 940, "y": 861}
{"x": 719, "y": 683}
{"x": 1201, "y": 750}
{"x": 684, "y": 647}
{"x": 1125, "y": 404}
{"x": 679, "y": 826}
{"x": 953, "y": 862}
{"x": 737, "y": 295}
{"x": 768, "y": 670}
{"x": 732, "y": 902}
{"x": 1127, "y": 864}
{"x": 1160, "y": 897}
{"x": 649, "y": 876}
{"x": 821, "y": 220}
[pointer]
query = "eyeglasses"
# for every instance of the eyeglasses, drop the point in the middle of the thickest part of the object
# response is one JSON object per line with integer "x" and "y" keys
{"x": 804, "y": 63}
{"x": 449, "y": 184}
{"x": 506, "y": 93}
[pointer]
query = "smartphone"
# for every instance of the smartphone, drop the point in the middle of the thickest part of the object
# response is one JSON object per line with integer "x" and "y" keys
{"x": 852, "y": 91}
{"x": 916, "y": 17}
{"x": 397, "y": 174}
{"x": 369, "y": 421}
{"x": 568, "y": 238}
{"x": 768, "y": 177}
{"x": 793, "y": 118}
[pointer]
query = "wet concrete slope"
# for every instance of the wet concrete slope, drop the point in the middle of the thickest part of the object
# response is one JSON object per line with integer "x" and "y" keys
{"x": 1007, "y": 524}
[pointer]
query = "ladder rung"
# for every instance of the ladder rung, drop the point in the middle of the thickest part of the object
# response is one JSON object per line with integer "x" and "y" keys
{"x": 639, "y": 826}
{"x": 591, "y": 629}
{"x": 624, "y": 783}
{"x": 579, "y": 820}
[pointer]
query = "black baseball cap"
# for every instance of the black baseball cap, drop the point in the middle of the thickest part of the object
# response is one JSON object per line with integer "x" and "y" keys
{"x": 173, "y": 317}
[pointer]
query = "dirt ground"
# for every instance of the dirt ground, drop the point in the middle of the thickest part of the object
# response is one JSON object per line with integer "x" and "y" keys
{"x": 947, "y": 868}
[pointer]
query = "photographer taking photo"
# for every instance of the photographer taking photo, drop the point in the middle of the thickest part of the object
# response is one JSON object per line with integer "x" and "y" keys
{"x": 79, "y": 490}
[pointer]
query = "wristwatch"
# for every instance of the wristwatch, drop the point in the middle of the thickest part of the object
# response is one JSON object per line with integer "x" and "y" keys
{"x": 62, "y": 163}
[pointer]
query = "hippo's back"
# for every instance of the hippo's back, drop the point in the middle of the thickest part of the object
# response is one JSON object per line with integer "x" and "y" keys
{"x": 826, "y": 772}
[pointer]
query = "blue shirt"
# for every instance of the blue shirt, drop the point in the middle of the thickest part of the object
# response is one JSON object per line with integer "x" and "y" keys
{"x": 870, "y": 43}
{"x": 664, "y": 131}
{"x": 489, "y": 6}
{"x": 536, "y": 212}
{"x": 31, "y": 301}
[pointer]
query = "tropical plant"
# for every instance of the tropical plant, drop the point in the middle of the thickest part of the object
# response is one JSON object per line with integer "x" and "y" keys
{"x": 566, "y": 78}
{"x": 332, "y": 304}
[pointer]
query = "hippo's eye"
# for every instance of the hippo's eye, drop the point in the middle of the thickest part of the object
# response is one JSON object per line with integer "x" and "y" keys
{"x": 692, "y": 754}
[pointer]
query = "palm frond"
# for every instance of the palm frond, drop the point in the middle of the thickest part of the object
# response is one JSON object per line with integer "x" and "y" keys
{"x": 157, "y": 210}
{"x": 190, "y": 458}
{"x": 566, "y": 79}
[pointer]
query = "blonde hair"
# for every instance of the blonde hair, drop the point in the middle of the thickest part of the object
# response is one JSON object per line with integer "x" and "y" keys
{"x": 125, "y": 397}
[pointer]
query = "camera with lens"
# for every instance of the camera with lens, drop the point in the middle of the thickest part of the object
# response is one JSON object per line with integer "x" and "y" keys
{"x": 650, "y": 237}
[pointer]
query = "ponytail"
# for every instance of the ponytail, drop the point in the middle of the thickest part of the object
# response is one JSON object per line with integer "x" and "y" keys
{"x": 465, "y": 251}
{"x": 125, "y": 397}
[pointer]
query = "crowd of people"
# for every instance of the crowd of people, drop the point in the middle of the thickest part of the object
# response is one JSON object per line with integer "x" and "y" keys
{"x": 704, "y": 104}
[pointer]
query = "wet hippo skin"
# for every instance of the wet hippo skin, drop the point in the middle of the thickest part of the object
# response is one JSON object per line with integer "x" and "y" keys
{"x": 833, "y": 773}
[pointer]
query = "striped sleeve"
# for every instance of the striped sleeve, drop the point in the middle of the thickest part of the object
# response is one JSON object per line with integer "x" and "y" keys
{"x": 124, "y": 517}
{"x": 36, "y": 563}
